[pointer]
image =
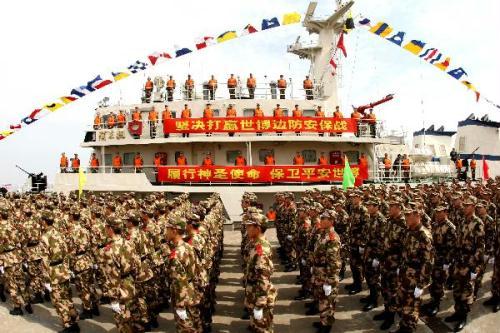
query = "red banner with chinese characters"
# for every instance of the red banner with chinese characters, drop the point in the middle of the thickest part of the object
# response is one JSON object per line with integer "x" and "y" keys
{"x": 265, "y": 124}
{"x": 253, "y": 174}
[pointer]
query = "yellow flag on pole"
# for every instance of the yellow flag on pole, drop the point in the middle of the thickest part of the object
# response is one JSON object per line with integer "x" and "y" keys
{"x": 82, "y": 180}
{"x": 291, "y": 18}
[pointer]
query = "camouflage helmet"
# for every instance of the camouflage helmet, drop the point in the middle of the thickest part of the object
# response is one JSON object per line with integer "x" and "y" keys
{"x": 257, "y": 219}
{"x": 47, "y": 215}
{"x": 115, "y": 223}
{"x": 133, "y": 216}
{"x": 4, "y": 208}
{"x": 176, "y": 222}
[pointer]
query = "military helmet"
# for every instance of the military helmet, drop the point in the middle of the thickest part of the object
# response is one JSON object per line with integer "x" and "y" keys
{"x": 176, "y": 222}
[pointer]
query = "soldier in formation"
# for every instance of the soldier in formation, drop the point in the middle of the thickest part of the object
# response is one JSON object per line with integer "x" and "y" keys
{"x": 139, "y": 255}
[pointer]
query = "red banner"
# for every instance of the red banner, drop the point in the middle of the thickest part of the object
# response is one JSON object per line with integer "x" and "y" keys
{"x": 265, "y": 124}
{"x": 253, "y": 174}
{"x": 135, "y": 128}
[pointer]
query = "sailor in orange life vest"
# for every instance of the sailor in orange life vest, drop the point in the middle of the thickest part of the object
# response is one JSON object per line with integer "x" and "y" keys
{"x": 282, "y": 86}
{"x": 212, "y": 87}
{"x": 387, "y": 166}
{"x": 231, "y": 85}
{"x": 269, "y": 159}
{"x": 63, "y": 163}
{"x": 138, "y": 163}
{"x": 322, "y": 160}
{"x": 97, "y": 121}
{"x": 75, "y": 164}
{"x": 405, "y": 165}
{"x": 308, "y": 87}
{"x": 363, "y": 166}
{"x": 148, "y": 89}
{"x": 297, "y": 113}
{"x": 166, "y": 114}
{"x": 251, "y": 84}
{"x": 121, "y": 119}
{"x": 231, "y": 113}
{"x": 319, "y": 114}
{"x": 170, "y": 88}
{"x": 207, "y": 114}
{"x": 207, "y": 161}
{"x": 94, "y": 163}
{"x": 185, "y": 114}
{"x": 258, "y": 113}
{"x": 240, "y": 160}
{"x": 298, "y": 159}
{"x": 117, "y": 163}
{"x": 181, "y": 159}
{"x": 473, "y": 165}
{"x": 152, "y": 119}
{"x": 189, "y": 87}
{"x": 278, "y": 113}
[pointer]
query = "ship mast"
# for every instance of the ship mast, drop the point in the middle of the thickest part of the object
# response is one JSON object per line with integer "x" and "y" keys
{"x": 319, "y": 54}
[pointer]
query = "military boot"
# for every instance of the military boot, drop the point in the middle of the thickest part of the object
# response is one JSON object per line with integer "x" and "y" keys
{"x": 496, "y": 308}
{"x": 245, "y": 314}
{"x": 46, "y": 296}
{"x": 388, "y": 322}
{"x": 381, "y": 316}
{"x": 38, "y": 299}
{"x": 313, "y": 310}
{"x": 492, "y": 301}
{"x": 2, "y": 294}
{"x": 86, "y": 314}
{"x": 356, "y": 288}
{"x": 16, "y": 312}
{"x": 95, "y": 310}
{"x": 462, "y": 321}
{"x": 74, "y": 328}
{"x": 28, "y": 308}
{"x": 433, "y": 308}
{"x": 342, "y": 272}
{"x": 453, "y": 318}
{"x": 372, "y": 300}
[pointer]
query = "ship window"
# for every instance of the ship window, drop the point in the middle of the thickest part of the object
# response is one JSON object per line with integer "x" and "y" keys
{"x": 216, "y": 112}
{"x": 461, "y": 144}
{"x": 107, "y": 159}
{"x": 285, "y": 112}
{"x": 177, "y": 153}
{"x": 248, "y": 112}
{"x": 309, "y": 113}
{"x": 309, "y": 155}
{"x": 352, "y": 156}
{"x": 433, "y": 150}
{"x": 128, "y": 158}
{"x": 231, "y": 156}
{"x": 263, "y": 153}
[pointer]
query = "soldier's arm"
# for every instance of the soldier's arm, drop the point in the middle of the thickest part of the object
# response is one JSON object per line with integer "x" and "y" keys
{"x": 263, "y": 271}
{"x": 426, "y": 255}
{"x": 333, "y": 261}
{"x": 480, "y": 239}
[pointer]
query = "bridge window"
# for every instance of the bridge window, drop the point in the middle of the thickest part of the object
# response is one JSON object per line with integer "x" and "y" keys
{"x": 309, "y": 113}
{"x": 461, "y": 144}
{"x": 309, "y": 155}
{"x": 128, "y": 158}
{"x": 352, "y": 156}
{"x": 248, "y": 112}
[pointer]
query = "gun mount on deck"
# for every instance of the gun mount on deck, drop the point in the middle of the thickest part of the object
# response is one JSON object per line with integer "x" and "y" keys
{"x": 38, "y": 181}
{"x": 362, "y": 108}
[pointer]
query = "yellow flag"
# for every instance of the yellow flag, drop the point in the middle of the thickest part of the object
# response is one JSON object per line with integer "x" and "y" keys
{"x": 82, "y": 180}
{"x": 291, "y": 18}
{"x": 53, "y": 107}
{"x": 226, "y": 36}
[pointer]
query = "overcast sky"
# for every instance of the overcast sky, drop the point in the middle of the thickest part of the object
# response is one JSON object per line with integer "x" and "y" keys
{"x": 50, "y": 47}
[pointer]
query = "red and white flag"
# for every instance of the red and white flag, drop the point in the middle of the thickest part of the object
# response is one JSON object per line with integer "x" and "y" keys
{"x": 340, "y": 44}
{"x": 203, "y": 42}
{"x": 486, "y": 170}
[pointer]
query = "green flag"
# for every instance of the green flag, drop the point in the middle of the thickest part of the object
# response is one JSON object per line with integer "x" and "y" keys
{"x": 348, "y": 177}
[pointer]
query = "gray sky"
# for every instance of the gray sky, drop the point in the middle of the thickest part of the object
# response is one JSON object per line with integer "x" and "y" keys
{"x": 54, "y": 47}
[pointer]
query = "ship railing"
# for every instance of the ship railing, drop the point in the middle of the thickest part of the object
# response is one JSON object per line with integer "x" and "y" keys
{"x": 395, "y": 174}
{"x": 154, "y": 129}
{"x": 241, "y": 91}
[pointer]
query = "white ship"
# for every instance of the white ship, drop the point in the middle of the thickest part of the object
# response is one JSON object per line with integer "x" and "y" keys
{"x": 314, "y": 139}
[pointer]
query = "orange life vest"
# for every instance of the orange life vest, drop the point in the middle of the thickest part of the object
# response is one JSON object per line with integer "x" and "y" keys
{"x": 208, "y": 113}
{"x": 282, "y": 83}
{"x": 296, "y": 113}
{"x": 231, "y": 112}
{"x": 97, "y": 121}
{"x": 473, "y": 164}
{"x": 153, "y": 116}
{"x": 269, "y": 160}
{"x": 157, "y": 161}
{"x": 251, "y": 83}
{"x": 258, "y": 113}
{"x": 406, "y": 164}
{"x": 121, "y": 118}
{"x": 212, "y": 83}
{"x": 338, "y": 115}
{"x": 94, "y": 162}
{"x": 170, "y": 84}
{"x": 271, "y": 215}
{"x": 166, "y": 114}
{"x": 111, "y": 120}
{"x": 181, "y": 160}
{"x": 75, "y": 163}
{"x": 138, "y": 162}
{"x": 320, "y": 114}
{"x": 136, "y": 116}
{"x": 231, "y": 82}
{"x": 63, "y": 163}
{"x": 278, "y": 113}
{"x": 298, "y": 160}
{"x": 207, "y": 161}
{"x": 322, "y": 160}
{"x": 308, "y": 84}
{"x": 240, "y": 161}
{"x": 459, "y": 164}
{"x": 387, "y": 163}
{"x": 117, "y": 162}
{"x": 189, "y": 84}
{"x": 186, "y": 113}
{"x": 149, "y": 85}
{"x": 363, "y": 162}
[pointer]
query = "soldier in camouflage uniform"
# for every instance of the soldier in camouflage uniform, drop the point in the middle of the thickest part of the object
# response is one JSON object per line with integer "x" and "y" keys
{"x": 494, "y": 301}
{"x": 469, "y": 255}
{"x": 11, "y": 259}
{"x": 81, "y": 264}
{"x": 32, "y": 230}
{"x": 184, "y": 274}
{"x": 57, "y": 268}
{"x": 490, "y": 233}
{"x": 343, "y": 229}
{"x": 415, "y": 271}
{"x": 374, "y": 248}
{"x": 121, "y": 262}
{"x": 358, "y": 220}
{"x": 326, "y": 264}
{"x": 391, "y": 261}
{"x": 289, "y": 229}
{"x": 444, "y": 239}
{"x": 260, "y": 294}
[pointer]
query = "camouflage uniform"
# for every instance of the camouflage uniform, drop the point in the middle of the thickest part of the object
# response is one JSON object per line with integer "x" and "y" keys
{"x": 11, "y": 258}
{"x": 121, "y": 263}
{"x": 417, "y": 260}
{"x": 468, "y": 254}
{"x": 326, "y": 264}
{"x": 260, "y": 294}
{"x": 343, "y": 229}
{"x": 358, "y": 220}
{"x": 184, "y": 274}
{"x": 444, "y": 238}
{"x": 32, "y": 231}
{"x": 57, "y": 267}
